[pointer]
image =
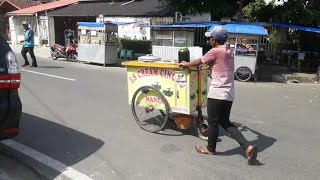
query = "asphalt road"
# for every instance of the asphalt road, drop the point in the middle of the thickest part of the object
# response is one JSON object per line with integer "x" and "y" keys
{"x": 82, "y": 120}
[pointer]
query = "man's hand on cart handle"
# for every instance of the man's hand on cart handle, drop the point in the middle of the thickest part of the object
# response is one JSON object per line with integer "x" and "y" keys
{"x": 193, "y": 63}
{"x": 183, "y": 64}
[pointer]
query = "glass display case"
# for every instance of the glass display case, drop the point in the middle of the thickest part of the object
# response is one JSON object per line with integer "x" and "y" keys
{"x": 174, "y": 37}
{"x": 98, "y": 42}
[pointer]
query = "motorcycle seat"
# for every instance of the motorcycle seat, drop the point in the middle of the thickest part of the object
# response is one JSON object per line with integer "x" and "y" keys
{"x": 60, "y": 46}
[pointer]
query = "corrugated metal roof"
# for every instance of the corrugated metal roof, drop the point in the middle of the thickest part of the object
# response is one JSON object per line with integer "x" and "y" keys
{"x": 42, "y": 7}
{"x": 20, "y": 4}
{"x": 136, "y": 8}
{"x": 301, "y": 28}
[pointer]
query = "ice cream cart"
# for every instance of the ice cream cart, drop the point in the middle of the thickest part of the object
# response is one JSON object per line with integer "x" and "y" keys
{"x": 245, "y": 55}
{"x": 97, "y": 42}
{"x": 158, "y": 91}
{"x": 244, "y": 39}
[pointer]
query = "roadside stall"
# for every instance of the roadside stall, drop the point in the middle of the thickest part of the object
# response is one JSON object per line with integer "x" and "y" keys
{"x": 167, "y": 40}
{"x": 98, "y": 42}
{"x": 244, "y": 39}
{"x": 159, "y": 90}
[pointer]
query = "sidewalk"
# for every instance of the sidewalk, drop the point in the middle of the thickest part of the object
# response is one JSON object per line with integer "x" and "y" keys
{"x": 39, "y": 51}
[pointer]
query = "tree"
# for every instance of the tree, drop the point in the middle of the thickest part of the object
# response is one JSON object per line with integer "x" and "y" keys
{"x": 300, "y": 12}
{"x": 217, "y": 8}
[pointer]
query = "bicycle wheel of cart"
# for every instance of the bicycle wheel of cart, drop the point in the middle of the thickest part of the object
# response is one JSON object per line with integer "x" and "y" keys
{"x": 202, "y": 128}
{"x": 243, "y": 74}
{"x": 150, "y": 109}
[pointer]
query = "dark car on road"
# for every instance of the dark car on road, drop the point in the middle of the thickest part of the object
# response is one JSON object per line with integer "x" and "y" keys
{"x": 10, "y": 103}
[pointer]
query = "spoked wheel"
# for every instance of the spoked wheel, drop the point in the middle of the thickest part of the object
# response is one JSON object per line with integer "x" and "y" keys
{"x": 202, "y": 128}
{"x": 150, "y": 109}
{"x": 243, "y": 74}
{"x": 72, "y": 57}
{"x": 54, "y": 55}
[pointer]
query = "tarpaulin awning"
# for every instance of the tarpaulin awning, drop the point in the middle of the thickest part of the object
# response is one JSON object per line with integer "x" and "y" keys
{"x": 188, "y": 25}
{"x": 93, "y": 24}
{"x": 236, "y": 28}
{"x": 301, "y": 28}
{"x": 243, "y": 29}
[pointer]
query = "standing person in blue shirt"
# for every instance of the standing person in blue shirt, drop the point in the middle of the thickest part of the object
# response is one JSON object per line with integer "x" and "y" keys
{"x": 28, "y": 45}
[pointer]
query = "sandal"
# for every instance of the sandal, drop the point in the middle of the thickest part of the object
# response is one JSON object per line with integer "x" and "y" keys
{"x": 252, "y": 155}
{"x": 204, "y": 150}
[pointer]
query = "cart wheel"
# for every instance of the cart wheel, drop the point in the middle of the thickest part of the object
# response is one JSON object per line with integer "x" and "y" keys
{"x": 202, "y": 129}
{"x": 243, "y": 74}
{"x": 153, "y": 114}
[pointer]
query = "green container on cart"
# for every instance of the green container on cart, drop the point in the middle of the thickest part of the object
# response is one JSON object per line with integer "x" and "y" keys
{"x": 123, "y": 54}
{"x": 130, "y": 54}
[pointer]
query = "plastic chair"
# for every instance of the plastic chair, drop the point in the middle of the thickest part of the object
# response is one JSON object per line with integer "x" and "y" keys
{"x": 123, "y": 54}
{"x": 130, "y": 54}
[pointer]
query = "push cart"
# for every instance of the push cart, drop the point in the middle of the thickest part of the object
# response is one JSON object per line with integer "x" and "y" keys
{"x": 159, "y": 92}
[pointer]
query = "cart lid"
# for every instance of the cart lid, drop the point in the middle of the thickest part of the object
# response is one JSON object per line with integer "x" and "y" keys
{"x": 150, "y": 64}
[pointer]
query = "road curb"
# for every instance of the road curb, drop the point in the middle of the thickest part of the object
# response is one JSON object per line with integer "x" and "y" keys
{"x": 43, "y": 171}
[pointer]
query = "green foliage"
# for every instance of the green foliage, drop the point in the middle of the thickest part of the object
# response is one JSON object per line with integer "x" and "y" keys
{"x": 139, "y": 46}
{"x": 301, "y": 12}
{"x": 217, "y": 8}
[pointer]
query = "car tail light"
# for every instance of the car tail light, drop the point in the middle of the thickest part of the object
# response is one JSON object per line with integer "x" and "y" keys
{"x": 11, "y": 131}
{"x": 13, "y": 78}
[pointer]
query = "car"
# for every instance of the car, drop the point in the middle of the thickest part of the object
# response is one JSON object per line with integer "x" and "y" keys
{"x": 10, "y": 103}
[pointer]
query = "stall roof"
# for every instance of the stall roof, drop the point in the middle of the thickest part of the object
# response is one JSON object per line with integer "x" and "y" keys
{"x": 235, "y": 28}
{"x": 301, "y": 28}
{"x": 187, "y": 25}
{"x": 42, "y": 7}
{"x": 93, "y": 24}
{"x": 252, "y": 29}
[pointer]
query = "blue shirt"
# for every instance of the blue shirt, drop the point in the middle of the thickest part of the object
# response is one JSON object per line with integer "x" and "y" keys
{"x": 29, "y": 38}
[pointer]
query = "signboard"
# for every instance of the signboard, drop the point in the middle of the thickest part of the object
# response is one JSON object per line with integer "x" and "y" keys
{"x": 179, "y": 87}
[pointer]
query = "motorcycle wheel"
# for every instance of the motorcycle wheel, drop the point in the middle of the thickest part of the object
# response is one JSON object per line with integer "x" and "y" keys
{"x": 71, "y": 57}
{"x": 54, "y": 55}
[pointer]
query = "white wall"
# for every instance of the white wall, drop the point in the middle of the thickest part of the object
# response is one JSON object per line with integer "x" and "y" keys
{"x": 197, "y": 18}
{"x": 17, "y": 31}
{"x": 51, "y": 30}
{"x": 135, "y": 30}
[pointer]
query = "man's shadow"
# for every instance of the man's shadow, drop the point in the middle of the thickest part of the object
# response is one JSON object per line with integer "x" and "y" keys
{"x": 262, "y": 142}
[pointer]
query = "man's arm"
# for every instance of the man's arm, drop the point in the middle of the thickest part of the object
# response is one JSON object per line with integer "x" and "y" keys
{"x": 193, "y": 63}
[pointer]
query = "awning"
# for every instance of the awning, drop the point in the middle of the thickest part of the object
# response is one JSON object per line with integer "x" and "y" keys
{"x": 93, "y": 24}
{"x": 301, "y": 28}
{"x": 235, "y": 28}
{"x": 243, "y": 29}
{"x": 187, "y": 25}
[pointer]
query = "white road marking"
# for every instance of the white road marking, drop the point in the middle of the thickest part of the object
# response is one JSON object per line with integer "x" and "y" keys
{"x": 46, "y": 160}
{"x": 59, "y": 77}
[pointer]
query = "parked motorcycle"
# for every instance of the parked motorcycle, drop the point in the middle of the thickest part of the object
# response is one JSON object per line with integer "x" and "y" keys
{"x": 69, "y": 52}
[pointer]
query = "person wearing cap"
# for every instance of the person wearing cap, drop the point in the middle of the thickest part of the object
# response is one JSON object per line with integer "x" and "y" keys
{"x": 28, "y": 45}
{"x": 220, "y": 59}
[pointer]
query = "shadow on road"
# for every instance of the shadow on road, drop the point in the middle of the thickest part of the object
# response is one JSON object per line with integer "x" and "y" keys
{"x": 59, "y": 142}
{"x": 262, "y": 142}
